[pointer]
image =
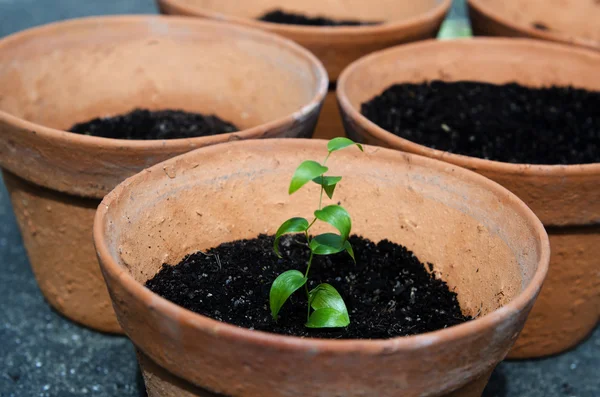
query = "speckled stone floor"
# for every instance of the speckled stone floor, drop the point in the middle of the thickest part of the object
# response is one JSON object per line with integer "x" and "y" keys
{"x": 43, "y": 354}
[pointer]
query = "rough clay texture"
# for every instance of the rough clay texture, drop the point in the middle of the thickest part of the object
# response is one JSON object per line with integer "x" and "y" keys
{"x": 133, "y": 66}
{"x": 56, "y": 231}
{"x": 330, "y": 122}
{"x": 565, "y": 21}
{"x": 564, "y": 197}
{"x": 153, "y": 219}
{"x": 405, "y": 21}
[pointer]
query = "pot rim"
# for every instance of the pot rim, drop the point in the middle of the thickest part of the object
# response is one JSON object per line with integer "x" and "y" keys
{"x": 50, "y": 133}
{"x": 551, "y": 35}
{"x": 474, "y": 163}
{"x": 323, "y": 32}
{"x": 206, "y": 324}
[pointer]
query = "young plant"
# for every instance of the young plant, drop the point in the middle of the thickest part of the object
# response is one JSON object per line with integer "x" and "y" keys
{"x": 328, "y": 307}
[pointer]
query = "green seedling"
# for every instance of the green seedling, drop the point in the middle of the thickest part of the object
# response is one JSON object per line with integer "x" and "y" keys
{"x": 326, "y": 308}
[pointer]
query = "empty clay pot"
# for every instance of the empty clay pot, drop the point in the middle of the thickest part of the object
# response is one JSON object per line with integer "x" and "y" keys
{"x": 565, "y": 198}
{"x": 56, "y": 75}
{"x": 483, "y": 240}
{"x": 404, "y": 21}
{"x": 567, "y": 21}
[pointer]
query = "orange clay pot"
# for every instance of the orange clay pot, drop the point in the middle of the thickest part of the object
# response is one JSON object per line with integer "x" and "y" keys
{"x": 565, "y": 198}
{"x": 483, "y": 240}
{"x": 567, "y": 21}
{"x": 336, "y": 47}
{"x": 56, "y": 75}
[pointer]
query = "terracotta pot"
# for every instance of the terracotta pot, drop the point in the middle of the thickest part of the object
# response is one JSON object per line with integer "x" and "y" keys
{"x": 565, "y": 198}
{"x": 449, "y": 216}
{"x": 566, "y": 21}
{"x": 330, "y": 122}
{"x": 336, "y": 47}
{"x": 59, "y": 74}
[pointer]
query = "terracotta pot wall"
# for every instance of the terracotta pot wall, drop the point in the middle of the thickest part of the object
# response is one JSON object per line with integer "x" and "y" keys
{"x": 406, "y": 21}
{"x": 76, "y": 70}
{"x": 565, "y": 198}
{"x": 484, "y": 242}
{"x": 330, "y": 122}
{"x": 568, "y": 21}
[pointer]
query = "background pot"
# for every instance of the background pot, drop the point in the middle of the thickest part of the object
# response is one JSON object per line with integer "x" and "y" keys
{"x": 566, "y": 21}
{"x": 59, "y": 74}
{"x": 566, "y": 198}
{"x": 449, "y": 216}
{"x": 405, "y": 21}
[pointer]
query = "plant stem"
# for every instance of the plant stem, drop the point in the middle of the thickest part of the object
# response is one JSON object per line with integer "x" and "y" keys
{"x": 309, "y": 263}
{"x": 306, "y": 284}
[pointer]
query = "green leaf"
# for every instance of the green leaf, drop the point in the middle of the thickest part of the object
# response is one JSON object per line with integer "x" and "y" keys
{"x": 326, "y": 244}
{"x": 328, "y": 183}
{"x": 330, "y": 309}
{"x": 337, "y": 217}
{"x": 341, "y": 143}
{"x": 326, "y": 296}
{"x": 285, "y": 285}
{"x": 349, "y": 250}
{"x": 327, "y": 318}
{"x": 293, "y": 225}
{"x": 306, "y": 172}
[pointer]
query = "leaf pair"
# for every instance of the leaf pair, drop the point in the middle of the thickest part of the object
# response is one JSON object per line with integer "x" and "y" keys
{"x": 323, "y": 244}
{"x": 312, "y": 171}
{"x": 329, "y": 308}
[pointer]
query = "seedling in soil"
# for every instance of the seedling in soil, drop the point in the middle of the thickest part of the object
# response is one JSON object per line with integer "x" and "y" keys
{"x": 326, "y": 308}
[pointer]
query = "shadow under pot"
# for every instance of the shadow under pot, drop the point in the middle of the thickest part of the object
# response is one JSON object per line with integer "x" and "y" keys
{"x": 337, "y": 32}
{"x": 476, "y": 237}
{"x": 530, "y": 108}
{"x": 572, "y": 22}
{"x": 75, "y": 71}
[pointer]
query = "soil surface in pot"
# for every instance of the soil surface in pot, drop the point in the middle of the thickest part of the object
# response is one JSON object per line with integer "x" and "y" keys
{"x": 388, "y": 292}
{"x": 161, "y": 124}
{"x": 279, "y": 16}
{"x": 509, "y": 123}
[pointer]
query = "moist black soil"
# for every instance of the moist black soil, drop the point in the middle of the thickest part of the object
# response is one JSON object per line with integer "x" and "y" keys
{"x": 279, "y": 16}
{"x": 388, "y": 292}
{"x": 509, "y": 123}
{"x": 161, "y": 124}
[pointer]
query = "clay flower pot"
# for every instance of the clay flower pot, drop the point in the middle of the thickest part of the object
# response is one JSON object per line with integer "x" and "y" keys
{"x": 56, "y": 75}
{"x": 449, "y": 216}
{"x": 565, "y": 198}
{"x": 336, "y": 47}
{"x": 566, "y": 21}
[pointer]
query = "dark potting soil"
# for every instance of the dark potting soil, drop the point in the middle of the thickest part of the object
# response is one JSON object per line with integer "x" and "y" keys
{"x": 160, "y": 124}
{"x": 279, "y": 16}
{"x": 509, "y": 123}
{"x": 388, "y": 292}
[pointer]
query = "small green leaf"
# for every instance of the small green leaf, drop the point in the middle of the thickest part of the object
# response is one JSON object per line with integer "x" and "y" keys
{"x": 293, "y": 225}
{"x": 306, "y": 172}
{"x": 326, "y": 244}
{"x": 349, "y": 250}
{"x": 337, "y": 217}
{"x": 285, "y": 285}
{"x": 326, "y": 296}
{"x": 328, "y": 183}
{"x": 341, "y": 143}
{"x": 327, "y": 318}
{"x": 330, "y": 309}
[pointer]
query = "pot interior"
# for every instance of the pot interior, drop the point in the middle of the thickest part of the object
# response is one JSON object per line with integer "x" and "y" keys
{"x": 78, "y": 70}
{"x": 499, "y": 61}
{"x": 374, "y": 10}
{"x": 481, "y": 240}
{"x": 567, "y": 18}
